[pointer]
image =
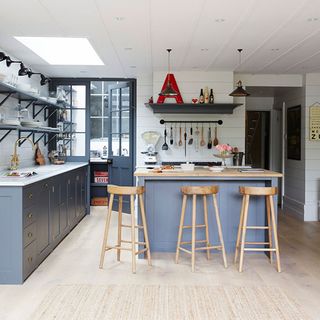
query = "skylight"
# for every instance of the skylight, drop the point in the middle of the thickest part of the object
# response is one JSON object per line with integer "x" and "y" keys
{"x": 62, "y": 51}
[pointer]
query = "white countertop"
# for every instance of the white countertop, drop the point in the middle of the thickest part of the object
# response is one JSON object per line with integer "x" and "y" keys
{"x": 43, "y": 172}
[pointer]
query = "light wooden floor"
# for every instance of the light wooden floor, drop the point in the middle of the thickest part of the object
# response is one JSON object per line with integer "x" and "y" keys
{"x": 76, "y": 261}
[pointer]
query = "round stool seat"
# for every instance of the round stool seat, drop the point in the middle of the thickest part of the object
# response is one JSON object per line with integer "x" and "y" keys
{"x": 200, "y": 190}
{"x": 258, "y": 191}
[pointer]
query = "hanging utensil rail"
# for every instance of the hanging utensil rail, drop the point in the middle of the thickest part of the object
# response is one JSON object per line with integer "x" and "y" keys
{"x": 219, "y": 122}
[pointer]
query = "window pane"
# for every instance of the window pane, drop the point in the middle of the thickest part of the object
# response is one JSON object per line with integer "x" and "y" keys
{"x": 95, "y": 105}
{"x": 125, "y": 121}
{"x": 96, "y": 87}
{"x": 63, "y": 94}
{"x": 79, "y": 118}
{"x": 79, "y": 144}
{"x": 115, "y": 145}
{"x": 105, "y": 105}
{"x": 96, "y": 128}
{"x": 115, "y": 122}
{"x": 105, "y": 127}
{"x": 125, "y": 145}
{"x": 115, "y": 99}
{"x": 79, "y": 96}
{"x": 125, "y": 101}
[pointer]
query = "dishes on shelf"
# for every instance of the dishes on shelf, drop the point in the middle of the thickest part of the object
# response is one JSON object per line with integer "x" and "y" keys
{"x": 10, "y": 122}
{"x": 32, "y": 124}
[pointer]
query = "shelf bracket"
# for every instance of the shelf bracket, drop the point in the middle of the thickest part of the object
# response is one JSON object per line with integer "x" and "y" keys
{"x": 46, "y": 117}
{"x": 30, "y": 102}
{"x": 36, "y": 141}
{"x": 7, "y": 97}
{"x": 28, "y": 136}
{"x": 34, "y": 113}
{"x": 49, "y": 140}
{"x": 3, "y": 137}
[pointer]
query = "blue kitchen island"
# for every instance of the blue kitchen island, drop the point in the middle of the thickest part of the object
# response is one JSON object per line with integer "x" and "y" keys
{"x": 163, "y": 202}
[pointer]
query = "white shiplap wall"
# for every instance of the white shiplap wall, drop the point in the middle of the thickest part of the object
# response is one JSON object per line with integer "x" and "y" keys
{"x": 8, "y": 109}
{"x": 294, "y": 177}
{"x": 232, "y": 131}
{"x": 312, "y": 153}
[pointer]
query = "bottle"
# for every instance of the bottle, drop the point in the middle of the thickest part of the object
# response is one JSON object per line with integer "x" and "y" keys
{"x": 211, "y": 97}
{"x": 206, "y": 95}
{"x": 201, "y": 97}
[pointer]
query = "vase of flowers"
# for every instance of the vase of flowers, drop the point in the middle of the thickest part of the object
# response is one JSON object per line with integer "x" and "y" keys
{"x": 224, "y": 152}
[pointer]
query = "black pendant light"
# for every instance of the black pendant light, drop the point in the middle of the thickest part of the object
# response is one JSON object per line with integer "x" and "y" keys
{"x": 239, "y": 91}
{"x": 23, "y": 71}
{"x": 168, "y": 90}
{"x": 9, "y": 61}
{"x": 3, "y": 56}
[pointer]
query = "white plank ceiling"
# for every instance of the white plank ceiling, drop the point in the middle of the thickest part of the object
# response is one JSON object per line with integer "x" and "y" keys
{"x": 131, "y": 36}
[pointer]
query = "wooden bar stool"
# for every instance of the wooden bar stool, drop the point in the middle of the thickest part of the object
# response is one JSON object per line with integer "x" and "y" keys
{"x": 201, "y": 191}
{"x": 131, "y": 191}
{"x": 268, "y": 192}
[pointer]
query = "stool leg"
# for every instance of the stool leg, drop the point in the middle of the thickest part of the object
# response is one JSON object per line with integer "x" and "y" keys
{"x": 133, "y": 234}
{"x": 270, "y": 228}
{"x": 193, "y": 238}
{"x": 275, "y": 233}
{"x": 106, "y": 230}
{"x": 244, "y": 229}
{"x": 145, "y": 228}
{"x": 183, "y": 211}
{"x": 205, "y": 210}
{"x": 239, "y": 231}
{"x": 119, "y": 227}
{"x": 216, "y": 209}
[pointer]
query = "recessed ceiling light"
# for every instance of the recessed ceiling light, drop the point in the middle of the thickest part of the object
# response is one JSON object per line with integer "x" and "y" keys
{"x": 313, "y": 19}
{"x": 219, "y": 20}
{"x": 275, "y": 49}
{"x": 204, "y": 49}
{"x": 62, "y": 51}
{"x": 119, "y": 18}
{"x": 83, "y": 71}
{"x": 128, "y": 49}
{"x": 133, "y": 67}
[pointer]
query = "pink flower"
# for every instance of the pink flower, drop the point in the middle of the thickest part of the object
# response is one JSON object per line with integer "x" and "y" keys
{"x": 224, "y": 148}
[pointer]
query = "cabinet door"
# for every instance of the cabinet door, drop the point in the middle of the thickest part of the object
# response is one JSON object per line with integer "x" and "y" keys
{"x": 72, "y": 200}
{"x": 78, "y": 194}
{"x": 43, "y": 218}
{"x": 63, "y": 205}
{"x": 54, "y": 209}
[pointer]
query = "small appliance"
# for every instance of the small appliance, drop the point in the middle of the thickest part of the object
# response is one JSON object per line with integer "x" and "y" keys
{"x": 151, "y": 139}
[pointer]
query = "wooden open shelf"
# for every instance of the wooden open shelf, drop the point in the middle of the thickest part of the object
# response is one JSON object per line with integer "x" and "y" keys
{"x": 193, "y": 108}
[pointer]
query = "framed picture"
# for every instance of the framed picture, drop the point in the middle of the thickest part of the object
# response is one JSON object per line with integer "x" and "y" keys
{"x": 294, "y": 133}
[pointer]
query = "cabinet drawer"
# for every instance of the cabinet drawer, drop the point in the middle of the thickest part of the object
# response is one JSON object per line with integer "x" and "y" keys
{"x": 29, "y": 196}
{"x": 29, "y": 216}
{"x": 29, "y": 259}
{"x": 29, "y": 234}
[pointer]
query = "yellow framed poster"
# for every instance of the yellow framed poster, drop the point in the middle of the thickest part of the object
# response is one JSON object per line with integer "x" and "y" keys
{"x": 314, "y": 125}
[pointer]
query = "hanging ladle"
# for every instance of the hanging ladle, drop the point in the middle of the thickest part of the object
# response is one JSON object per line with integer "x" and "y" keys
{"x": 165, "y": 145}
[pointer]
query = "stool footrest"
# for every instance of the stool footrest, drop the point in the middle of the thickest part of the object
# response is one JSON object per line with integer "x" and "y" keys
{"x": 129, "y": 226}
{"x": 256, "y": 227}
{"x": 197, "y": 226}
{"x": 211, "y": 247}
{"x": 117, "y": 248}
{"x": 252, "y": 242}
{"x": 189, "y": 242}
{"x": 141, "y": 251}
{"x": 136, "y": 242}
{"x": 259, "y": 249}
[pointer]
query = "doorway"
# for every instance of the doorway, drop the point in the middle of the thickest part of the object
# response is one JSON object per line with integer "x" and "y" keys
{"x": 257, "y": 140}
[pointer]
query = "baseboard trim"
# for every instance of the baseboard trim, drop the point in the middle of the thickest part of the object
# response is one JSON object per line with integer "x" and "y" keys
{"x": 293, "y": 207}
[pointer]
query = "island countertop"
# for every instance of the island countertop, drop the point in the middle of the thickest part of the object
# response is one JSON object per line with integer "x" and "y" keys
{"x": 205, "y": 172}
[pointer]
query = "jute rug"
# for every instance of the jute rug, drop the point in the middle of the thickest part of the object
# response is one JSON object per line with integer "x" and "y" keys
{"x": 132, "y": 302}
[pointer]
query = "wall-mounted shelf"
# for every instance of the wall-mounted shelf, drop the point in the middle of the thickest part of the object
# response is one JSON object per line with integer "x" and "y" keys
{"x": 13, "y": 92}
{"x": 192, "y": 108}
{"x": 31, "y": 131}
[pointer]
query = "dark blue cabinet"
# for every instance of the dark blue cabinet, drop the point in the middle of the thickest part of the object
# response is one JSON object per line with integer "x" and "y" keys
{"x": 36, "y": 218}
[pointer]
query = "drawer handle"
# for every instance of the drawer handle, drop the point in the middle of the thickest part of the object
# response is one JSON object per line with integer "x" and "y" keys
{"x": 30, "y": 259}
{"x": 30, "y": 234}
{"x": 46, "y": 185}
{"x": 30, "y": 196}
{"x": 30, "y": 215}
